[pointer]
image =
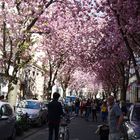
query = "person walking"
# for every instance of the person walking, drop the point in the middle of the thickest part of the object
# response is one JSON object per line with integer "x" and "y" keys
{"x": 115, "y": 119}
{"x": 70, "y": 103}
{"x": 93, "y": 108}
{"x": 77, "y": 106}
{"x": 82, "y": 106}
{"x": 104, "y": 111}
{"x": 55, "y": 112}
{"x": 88, "y": 109}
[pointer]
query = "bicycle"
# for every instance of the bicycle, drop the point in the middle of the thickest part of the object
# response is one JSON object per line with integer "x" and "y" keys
{"x": 64, "y": 129}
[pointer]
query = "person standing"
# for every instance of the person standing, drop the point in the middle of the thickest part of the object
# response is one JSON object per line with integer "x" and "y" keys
{"x": 104, "y": 111}
{"x": 77, "y": 106}
{"x": 55, "y": 112}
{"x": 70, "y": 107}
{"x": 93, "y": 108}
{"x": 115, "y": 119}
{"x": 88, "y": 109}
{"x": 81, "y": 108}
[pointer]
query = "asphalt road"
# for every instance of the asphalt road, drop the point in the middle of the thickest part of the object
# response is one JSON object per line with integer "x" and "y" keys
{"x": 79, "y": 130}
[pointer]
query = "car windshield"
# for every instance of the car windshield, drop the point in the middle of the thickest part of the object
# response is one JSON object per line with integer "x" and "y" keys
{"x": 136, "y": 114}
{"x": 30, "y": 104}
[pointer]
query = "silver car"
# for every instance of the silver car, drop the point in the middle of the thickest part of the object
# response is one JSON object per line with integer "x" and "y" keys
{"x": 35, "y": 109}
{"x": 7, "y": 122}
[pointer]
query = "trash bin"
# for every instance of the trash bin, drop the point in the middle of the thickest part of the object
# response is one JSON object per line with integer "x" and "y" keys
{"x": 104, "y": 132}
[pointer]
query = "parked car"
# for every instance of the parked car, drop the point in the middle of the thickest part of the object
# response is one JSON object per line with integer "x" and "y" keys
{"x": 128, "y": 105}
{"x": 131, "y": 126}
{"x": 7, "y": 121}
{"x": 35, "y": 109}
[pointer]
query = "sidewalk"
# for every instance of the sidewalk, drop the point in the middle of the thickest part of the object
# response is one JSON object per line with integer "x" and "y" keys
{"x": 30, "y": 132}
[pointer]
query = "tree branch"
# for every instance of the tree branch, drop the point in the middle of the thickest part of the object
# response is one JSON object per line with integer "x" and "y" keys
{"x": 35, "y": 19}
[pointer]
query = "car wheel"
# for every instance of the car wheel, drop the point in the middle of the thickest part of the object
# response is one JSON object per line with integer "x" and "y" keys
{"x": 44, "y": 120}
{"x": 39, "y": 122}
{"x": 13, "y": 135}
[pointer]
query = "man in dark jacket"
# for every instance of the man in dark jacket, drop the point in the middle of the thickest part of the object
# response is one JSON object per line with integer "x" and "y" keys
{"x": 55, "y": 112}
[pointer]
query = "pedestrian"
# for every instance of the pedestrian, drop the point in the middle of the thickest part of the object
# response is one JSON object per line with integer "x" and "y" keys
{"x": 70, "y": 103}
{"x": 88, "y": 109}
{"x": 115, "y": 119}
{"x": 94, "y": 110}
{"x": 104, "y": 111}
{"x": 55, "y": 112}
{"x": 81, "y": 108}
{"x": 77, "y": 106}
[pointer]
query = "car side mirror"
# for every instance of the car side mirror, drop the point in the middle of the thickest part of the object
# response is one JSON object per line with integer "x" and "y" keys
{"x": 43, "y": 108}
{"x": 126, "y": 118}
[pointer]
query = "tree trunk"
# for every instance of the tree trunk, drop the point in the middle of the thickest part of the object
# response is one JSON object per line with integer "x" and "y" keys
{"x": 64, "y": 93}
{"x": 49, "y": 91}
{"x": 123, "y": 94}
{"x": 12, "y": 93}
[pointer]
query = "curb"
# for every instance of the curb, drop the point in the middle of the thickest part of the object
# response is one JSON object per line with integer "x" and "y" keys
{"x": 28, "y": 134}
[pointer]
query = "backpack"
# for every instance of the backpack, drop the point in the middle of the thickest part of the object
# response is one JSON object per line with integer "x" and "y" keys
{"x": 104, "y": 109}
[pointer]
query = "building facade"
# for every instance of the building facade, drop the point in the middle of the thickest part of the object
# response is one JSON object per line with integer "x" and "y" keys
{"x": 33, "y": 82}
{"x": 133, "y": 91}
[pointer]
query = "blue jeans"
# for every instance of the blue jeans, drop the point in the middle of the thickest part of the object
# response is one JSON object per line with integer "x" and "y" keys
{"x": 104, "y": 116}
{"x": 87, "y": 113}
{"x": 77, "y": 110}
{"x": 70, "y": 109}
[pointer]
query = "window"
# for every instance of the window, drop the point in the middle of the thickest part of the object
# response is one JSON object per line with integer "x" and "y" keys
{"x": 136, "y": 114}
{"x": 33, "y": 105}
{"x": 33, "y": 73}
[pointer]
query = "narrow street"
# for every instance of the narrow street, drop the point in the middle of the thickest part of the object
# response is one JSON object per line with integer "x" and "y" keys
{"x": 83, "y": 130}
{"x": 79, "y": 130}
{"x": 84, "y": 54}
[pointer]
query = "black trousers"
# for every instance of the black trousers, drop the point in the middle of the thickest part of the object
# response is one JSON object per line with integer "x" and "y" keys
{"x": 94, "y": 115}
{"x": 53, "y": 128}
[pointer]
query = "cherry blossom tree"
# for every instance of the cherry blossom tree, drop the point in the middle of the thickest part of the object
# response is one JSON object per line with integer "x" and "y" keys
{"x": 65, "y": 75}
{"x": 99, "y": 35}
{"x": 20, "y": 19}
{"x": 17, "y": 21}
{"x": 126, "y": 18}
{"x": 82, "y": 80}
{"x": 111, "y": 60}
{"x": 114, "y": 45}
{"x": 62, "y": 43}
